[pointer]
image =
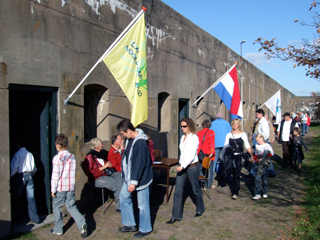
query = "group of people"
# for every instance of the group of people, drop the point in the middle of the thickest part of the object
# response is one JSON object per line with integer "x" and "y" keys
{"x": 303, "y": 121}
{"x": 289, "y": 136}
{"x": 127, "y": 168}
{"x": 124, "y": 170}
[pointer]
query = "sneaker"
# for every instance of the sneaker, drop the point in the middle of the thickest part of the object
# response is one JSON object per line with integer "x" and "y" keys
{"x": 84, "y": 232}
{"x": 54, "y": 232}
{"x": 256, "y": 197}
{"x": 265, "y": 196}
{"x": 234, "y": 197}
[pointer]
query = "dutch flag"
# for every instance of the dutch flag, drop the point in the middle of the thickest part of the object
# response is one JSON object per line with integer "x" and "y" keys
{"x": 228, "y": 90}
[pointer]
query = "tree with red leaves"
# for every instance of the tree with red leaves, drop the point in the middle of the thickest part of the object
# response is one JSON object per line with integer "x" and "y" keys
{"x": 307, "y": 55}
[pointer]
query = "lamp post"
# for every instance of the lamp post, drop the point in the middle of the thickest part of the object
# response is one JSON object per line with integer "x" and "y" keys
{"x": 243, "y": 41}
{"x": 241, "y": 82}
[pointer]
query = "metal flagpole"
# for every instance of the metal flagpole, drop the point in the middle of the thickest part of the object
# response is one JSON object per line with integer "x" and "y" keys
{"x": 213, "y": 85}
{"x": 106, "y": 52}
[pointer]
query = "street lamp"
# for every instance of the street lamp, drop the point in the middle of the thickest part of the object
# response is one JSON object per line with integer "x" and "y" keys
{"x": 243, "y": 41}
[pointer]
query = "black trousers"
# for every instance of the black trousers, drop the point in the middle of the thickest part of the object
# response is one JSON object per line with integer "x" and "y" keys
{"x": 236, "y": 176}
{"x": 287, "y": 153}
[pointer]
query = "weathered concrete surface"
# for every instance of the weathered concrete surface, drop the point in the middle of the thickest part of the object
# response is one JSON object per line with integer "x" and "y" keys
{"x": 55, "y": 43}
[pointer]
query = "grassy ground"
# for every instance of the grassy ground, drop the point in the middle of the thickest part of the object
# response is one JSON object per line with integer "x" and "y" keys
{"x": 308, "y": 217}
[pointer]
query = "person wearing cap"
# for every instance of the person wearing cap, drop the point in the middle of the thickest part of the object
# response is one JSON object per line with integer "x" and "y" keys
{"x": 285, "y": 133}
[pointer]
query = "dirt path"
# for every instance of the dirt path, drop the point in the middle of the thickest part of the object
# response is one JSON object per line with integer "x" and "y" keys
{"x": 224, "y": 218}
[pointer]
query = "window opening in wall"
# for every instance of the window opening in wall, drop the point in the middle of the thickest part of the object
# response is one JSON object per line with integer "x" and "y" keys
{"x": 200, "y": 114}
{"x": 163, "y": 112}
{"x": 96, "y": 109}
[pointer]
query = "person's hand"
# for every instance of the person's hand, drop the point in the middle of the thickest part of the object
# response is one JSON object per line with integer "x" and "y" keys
{"x": 179, "y": 169}
{"x": 251, "y": 160}
{"x": 131, "y": 188}
{"x": 211, "y": 155}
{"x": 53, "y": 195}
{"x": 122, "y": 147}
{"x": 108, "y": 164}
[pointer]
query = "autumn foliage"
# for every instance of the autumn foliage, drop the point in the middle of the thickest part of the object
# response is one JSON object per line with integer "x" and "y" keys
{"x": 308, "y": 54}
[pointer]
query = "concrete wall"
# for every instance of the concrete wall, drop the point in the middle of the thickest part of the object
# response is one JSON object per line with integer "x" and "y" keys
{"x": 55, "y": 43}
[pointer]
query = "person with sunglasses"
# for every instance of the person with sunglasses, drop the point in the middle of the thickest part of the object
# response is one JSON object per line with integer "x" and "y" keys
{"x": 187, "y": 168}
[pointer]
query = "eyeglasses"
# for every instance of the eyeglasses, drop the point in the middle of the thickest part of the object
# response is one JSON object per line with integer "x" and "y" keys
{"x": 184, "y": 126}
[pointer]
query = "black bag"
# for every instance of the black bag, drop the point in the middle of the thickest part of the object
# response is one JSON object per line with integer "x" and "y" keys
{"x": 109, "y": 171}
{"x": 243, "y": 160}
{"x": 201, "y": 154}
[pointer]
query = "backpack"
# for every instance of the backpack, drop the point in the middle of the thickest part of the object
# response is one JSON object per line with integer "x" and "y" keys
{"x": 151, "y": 149}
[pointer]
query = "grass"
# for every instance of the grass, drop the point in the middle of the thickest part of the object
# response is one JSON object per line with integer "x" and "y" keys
{"x": 308, "y": 219}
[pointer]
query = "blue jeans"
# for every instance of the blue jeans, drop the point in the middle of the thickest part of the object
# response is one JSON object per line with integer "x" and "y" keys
{"x": 127, "y": 214}
{"x": 296, "y": 156}
{"x": 257, "y": 183}
{"x": 304, "y": 126}
{"x": 193, "y": 174}
{"x": 24, "y": 180}
{"x": 212, "y": 169}
{"x": 69, "y": 199}
{"x": 307, "y": 129}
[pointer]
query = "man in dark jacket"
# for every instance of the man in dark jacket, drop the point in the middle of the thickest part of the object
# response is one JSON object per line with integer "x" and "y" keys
{"x": 137, "y": 174}
{"x": 285, "y": 131}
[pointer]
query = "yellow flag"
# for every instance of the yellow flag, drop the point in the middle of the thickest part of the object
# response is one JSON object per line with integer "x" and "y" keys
{"x": 127, "y": 62}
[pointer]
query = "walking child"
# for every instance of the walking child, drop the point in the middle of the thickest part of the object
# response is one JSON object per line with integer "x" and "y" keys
{"x": 63, "y": 186}
{"x": 297, "y": 144}
{"x": 261, "y": 147}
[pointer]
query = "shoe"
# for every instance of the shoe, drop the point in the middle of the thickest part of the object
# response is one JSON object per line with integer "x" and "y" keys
{"x": 213, "y": 186}
{"x": 128, "y": 229}
{"x": 172, "y": 221}
{"x": 265, "y": 195}
{"x": 118, "y": 210}
{"x": 84, "y": 232}
{"x": 141, "y": 234}
{"x": 256, "y": 197}
{"x": 54, "y": 232}
{"x": 299, "y": 170}
{"x": 198, "y": 214}
{"x": 234, "y": 197}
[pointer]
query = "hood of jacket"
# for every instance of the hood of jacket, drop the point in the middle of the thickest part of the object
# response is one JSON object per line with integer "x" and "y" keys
{"x": 64, "y": 155}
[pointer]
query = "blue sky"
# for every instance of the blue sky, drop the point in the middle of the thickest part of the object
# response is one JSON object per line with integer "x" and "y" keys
{"x": 234, "y": 20}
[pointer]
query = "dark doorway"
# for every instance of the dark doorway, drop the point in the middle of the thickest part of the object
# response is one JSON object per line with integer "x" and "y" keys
{"x": 33, "y": 114}
{"x": 183, "y": 112}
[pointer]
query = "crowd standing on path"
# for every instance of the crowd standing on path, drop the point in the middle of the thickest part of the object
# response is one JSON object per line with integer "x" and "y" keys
{"x": 127, "y": 168}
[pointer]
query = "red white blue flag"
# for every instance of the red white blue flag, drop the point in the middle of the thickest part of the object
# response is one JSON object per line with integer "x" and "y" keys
{"x": 228, "y": 90}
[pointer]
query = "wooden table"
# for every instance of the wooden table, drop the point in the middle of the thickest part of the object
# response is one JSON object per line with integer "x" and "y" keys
{"x": 165, "y": 163}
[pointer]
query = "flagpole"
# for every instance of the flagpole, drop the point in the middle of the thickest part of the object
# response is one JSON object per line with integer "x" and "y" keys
{"x": 213, "y": 85}
{"x": 107, "y": 52}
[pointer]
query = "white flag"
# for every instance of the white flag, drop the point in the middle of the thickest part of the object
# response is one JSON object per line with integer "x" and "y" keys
{"x": 274, "y": 104}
